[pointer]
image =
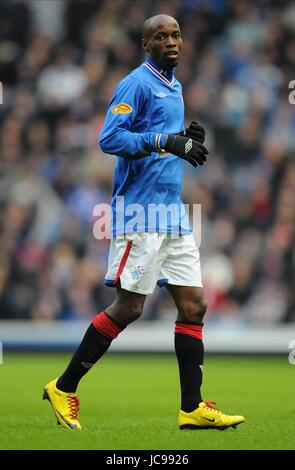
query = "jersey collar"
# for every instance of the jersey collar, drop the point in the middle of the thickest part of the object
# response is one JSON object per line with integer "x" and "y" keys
{"x": 165, "y": 75}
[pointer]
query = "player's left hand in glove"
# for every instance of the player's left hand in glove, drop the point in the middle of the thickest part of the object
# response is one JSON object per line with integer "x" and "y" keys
{"x": 195, "y": 132}
{"x": 188, "y": 149}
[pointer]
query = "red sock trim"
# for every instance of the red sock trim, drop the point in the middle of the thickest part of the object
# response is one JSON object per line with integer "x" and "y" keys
{"x": 189, "y": 329}
{"x": 123, "y": 261}
{"x": 105, "y": 326}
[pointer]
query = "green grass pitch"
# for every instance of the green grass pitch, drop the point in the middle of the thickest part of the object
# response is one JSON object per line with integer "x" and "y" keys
{"x": 132, "y": 402}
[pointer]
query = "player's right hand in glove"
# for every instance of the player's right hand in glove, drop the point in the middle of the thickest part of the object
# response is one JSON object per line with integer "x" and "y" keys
{"x": 188, "y": 149}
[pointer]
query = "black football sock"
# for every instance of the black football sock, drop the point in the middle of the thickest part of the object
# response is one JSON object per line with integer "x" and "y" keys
{"x": 189, "y": 350}
{"x": 93, "y": 346}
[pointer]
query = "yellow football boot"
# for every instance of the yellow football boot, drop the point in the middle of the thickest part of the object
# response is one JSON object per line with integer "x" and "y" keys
{"x": 205, "y": 416}
{"x": 65, "y": 405}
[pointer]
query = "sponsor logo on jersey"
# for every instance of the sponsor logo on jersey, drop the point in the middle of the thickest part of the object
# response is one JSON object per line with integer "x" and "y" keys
{"x": 121, "y": 108}
{"x": 161, "y": 94}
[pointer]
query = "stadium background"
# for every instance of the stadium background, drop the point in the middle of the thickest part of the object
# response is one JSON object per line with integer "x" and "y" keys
{"x": 59, "y": 63}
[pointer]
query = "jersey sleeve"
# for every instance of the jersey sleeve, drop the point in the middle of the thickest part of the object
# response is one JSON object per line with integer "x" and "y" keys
{"x": 117, "y": 137}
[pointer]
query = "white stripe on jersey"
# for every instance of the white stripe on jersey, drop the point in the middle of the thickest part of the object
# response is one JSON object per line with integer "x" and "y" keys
{"x": 155, "y": 72}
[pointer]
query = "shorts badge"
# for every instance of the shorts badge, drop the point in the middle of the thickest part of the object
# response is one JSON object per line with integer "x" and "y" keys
{"x": 137, "y": 272}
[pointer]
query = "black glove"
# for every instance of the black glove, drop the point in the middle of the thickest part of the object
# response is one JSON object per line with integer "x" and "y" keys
{"x": 188, "y": 149}
{"x": 195, "y": 132}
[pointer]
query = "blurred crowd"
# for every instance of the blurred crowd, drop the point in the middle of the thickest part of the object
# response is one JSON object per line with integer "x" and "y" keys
{"x": 59, "y": 63}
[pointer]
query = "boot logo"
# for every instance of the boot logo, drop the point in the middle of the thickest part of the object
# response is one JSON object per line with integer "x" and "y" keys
{"x": 87, "y": 365}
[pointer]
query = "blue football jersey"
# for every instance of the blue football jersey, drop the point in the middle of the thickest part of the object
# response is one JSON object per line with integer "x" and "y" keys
{"x": 146, "y": 105}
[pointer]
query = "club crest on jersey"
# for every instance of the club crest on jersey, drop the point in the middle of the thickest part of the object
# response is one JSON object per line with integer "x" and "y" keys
{"x": 121, "y": 108}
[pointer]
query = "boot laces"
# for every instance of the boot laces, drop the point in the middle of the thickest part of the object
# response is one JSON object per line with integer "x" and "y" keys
{"x": 74, "y": 406}
{"x": 208, "y": 404}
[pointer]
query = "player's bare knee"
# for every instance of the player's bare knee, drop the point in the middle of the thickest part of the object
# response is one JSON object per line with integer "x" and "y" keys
{"x": 193, "y": 310}
{"x": 135, "y": 310}
{"x": 202, "y": 308}
{"x": 126, "y": 312}
{"x": 127, "y": 307}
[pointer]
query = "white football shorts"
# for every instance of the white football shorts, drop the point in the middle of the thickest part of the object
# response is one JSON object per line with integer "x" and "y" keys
{"x": 142, "y": 260}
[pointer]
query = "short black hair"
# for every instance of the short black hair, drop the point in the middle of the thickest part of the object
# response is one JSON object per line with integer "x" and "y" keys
{"x": 149, "y": 24}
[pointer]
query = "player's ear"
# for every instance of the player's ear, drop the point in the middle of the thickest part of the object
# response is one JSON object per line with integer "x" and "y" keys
{"x": 144, "y": 44}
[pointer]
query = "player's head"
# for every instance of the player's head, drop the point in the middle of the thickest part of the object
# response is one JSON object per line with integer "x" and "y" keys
{"x": 161, "y": 40}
